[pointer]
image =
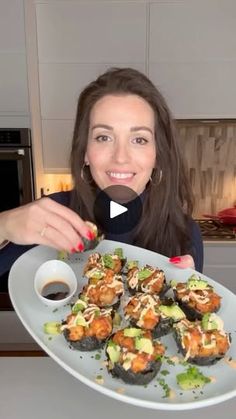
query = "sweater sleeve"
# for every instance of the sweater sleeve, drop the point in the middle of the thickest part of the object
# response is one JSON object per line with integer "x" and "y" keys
{"x": 11, "y": 252}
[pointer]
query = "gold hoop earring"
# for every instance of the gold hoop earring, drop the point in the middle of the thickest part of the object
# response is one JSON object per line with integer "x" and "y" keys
{"x": 84, "y": 176}
{"x": 153, "y": 178}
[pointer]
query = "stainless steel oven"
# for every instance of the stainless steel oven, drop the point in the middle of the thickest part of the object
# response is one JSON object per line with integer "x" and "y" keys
{"x": 16, "y": 188}
{"x": 16, "y": 168}
{"x": 16, "y": 182}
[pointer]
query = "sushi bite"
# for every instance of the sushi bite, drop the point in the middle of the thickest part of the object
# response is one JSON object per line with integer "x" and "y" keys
{"x": 149, "y": 312}
{"x": 196, "y": 297}
{"x": 97, "y": 237}
{"x": 202, "y": 342}
{"x": 104, "y": 288}
{"x": 87, "y": 327}
{"x": 133, "y": 356}
{"x": 114, "y": 262}
{"x": 146, "y": 279}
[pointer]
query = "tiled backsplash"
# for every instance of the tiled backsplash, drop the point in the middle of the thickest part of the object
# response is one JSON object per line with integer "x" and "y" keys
{"x": 210, "y": 150}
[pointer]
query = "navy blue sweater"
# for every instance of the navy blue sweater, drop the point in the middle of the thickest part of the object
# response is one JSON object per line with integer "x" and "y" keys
{"x": 12, "y": 251}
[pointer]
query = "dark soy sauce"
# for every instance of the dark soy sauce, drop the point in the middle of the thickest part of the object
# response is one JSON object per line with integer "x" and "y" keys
{"x": 55, "y": 290}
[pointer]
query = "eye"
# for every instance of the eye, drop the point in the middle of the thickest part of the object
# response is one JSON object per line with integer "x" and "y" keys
{"x": 102, "y": 138}
{"x": 140, "y": 140}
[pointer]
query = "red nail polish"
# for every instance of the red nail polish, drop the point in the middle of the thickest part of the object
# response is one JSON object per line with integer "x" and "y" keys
{"x": 175, "y": 259}
{"x": 73, "y": 250}
{"x": 80, "y": 247}
{"x": 90, "y": 235}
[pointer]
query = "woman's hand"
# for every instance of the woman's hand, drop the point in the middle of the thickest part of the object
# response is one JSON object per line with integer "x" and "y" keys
{"x": 185, "y": 261}
{"x": 44, "y": 222}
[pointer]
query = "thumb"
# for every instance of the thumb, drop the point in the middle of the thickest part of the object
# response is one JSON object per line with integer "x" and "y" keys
{"x": 184, "y": 261}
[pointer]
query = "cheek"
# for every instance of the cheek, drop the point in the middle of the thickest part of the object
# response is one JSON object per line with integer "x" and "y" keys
{"x": 147, "y": 160}
{"x": 92, "y": 157}
{"x": 97, "y": 163}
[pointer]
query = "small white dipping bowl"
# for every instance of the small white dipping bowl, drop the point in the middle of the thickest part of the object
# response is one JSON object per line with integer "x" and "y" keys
{"x": 55, "y": 271}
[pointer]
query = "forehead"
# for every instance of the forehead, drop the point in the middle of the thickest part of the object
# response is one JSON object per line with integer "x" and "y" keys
{"x": 115, "y": 108}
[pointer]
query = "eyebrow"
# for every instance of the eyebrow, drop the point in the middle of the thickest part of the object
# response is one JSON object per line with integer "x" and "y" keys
{"x": 133, "y": 129}
{"x": 141, "y": 128}
{"x": 108, "y": 127}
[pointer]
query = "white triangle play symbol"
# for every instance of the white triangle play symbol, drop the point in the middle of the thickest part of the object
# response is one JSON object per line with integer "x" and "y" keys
{"x": 116, "y": 209}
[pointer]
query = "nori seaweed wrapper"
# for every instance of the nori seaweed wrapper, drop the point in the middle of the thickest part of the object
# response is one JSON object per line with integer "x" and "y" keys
{"x": 191, "y": 312}
{"x": 92, "y": 313}
{"x": 197, "y": 360}
{"x": 114, "y": 306}
{"x": 139, "y": 302}
{"x": 161, "y": 329}
{"x": 99, "y": 236}
{"x": 139, "y": 378}
{"x": 161, "y": 294}
{"x": 201, "y": 334}
{"x": 87, "y": 343}
{"x": 153, "y": 360}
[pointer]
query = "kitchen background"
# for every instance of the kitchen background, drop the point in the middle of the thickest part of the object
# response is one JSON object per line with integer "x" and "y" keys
{"x": 50, "y": 49}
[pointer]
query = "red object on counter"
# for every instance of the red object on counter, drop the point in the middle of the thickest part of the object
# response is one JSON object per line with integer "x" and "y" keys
{"x": 225, "y": 216}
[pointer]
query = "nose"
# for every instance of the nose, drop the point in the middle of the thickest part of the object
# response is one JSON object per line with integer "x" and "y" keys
{"x": 121, "y": 153}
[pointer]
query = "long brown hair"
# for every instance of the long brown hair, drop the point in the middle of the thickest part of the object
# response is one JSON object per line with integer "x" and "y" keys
{"x": 168, "y": 205}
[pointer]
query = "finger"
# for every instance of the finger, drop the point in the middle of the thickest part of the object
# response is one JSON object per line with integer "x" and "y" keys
{"x": 64, "y": 230}
{"x": 69, "y": 215}
{"x": 49, "y": 236}
{"x": 184, "y": 261}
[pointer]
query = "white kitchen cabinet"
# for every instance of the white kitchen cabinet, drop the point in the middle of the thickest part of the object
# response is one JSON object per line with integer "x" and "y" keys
{"x": 187, "y": 48}
{"x": 76, "y": 42}
{"x": 13, "y": 84}
{"x": 220, "y": 263}
{"x": 91, "y": 32}
{"x": 14, "y": 106}
{"x": 12, "y": 34}
{"x": 61, "y": 84}
{"x": 57, "y": 136}
{"x": 192, "y": 56}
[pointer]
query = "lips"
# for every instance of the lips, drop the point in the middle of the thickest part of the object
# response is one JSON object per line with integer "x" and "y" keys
{"x": 120, "y": 176}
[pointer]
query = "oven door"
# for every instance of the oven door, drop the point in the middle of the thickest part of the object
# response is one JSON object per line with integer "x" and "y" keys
{"x": 16, "y": 177}
{"x": 16, "y": 185}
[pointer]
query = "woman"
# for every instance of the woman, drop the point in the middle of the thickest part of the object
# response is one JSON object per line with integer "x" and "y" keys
{"x": 123, "y": 135}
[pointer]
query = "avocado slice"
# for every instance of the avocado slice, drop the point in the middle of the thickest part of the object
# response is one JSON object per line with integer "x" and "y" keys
{"x": 79, "y": 305}
{"x": 132, "y": 332}
{"x": 108, "y": 261}
{"x": 80, "y": 320}
{"x": 52, "y": 328}
{"x": 196, "y": 283}
{"x": 95, "y": 273}
{"x": 113, "y": 351}
{"x": 191, "y": 379}
{"x": 119, "y": 252}
{"x": 144, "y": 273}
{"x": 173, "y": 311}
{"x": 210, "y": 321}
{"x": 132, "y": 264}
{"x": 144, "y": 345}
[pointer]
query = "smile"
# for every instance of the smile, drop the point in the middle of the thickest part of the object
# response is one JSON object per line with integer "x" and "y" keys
{"x": 118, "y": 175}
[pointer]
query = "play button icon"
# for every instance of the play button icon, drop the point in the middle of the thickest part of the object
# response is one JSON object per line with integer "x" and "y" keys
{"x": 117, "y": 209}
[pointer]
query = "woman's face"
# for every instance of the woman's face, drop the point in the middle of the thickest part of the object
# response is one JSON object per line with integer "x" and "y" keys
{"x": 121, "y": 145}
